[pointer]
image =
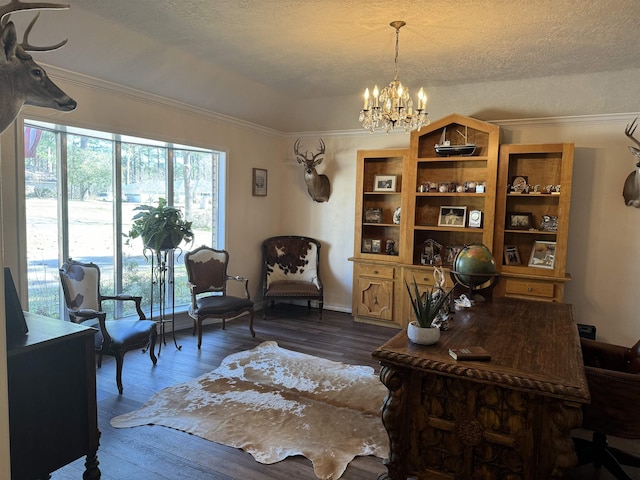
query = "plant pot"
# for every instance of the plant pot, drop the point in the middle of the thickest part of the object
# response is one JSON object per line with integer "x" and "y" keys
{"x": 167, "y": 243}
{"x": 422, "y": 336}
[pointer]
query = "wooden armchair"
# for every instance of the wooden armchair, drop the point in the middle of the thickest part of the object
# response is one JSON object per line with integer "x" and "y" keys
{"x": 207, "y": 281}
{"x": 613, "y": 375}
{"x": 83, "y": 301}
{"x": 291, "y": 269}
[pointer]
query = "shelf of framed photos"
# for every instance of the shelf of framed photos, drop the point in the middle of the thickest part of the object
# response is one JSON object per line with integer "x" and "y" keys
{"x": 530, "y": 252}
{"x": 447, "y": 238}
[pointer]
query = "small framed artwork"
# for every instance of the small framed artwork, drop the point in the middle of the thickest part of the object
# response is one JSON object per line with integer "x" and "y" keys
{"x": 366, "y": 245}
{"x": 511, "y": 255}
{"x": 384, "y": 183}
{"x": 376, "y": 245}
{"x": 549, "y": 223}
{"x": 519, "y": 221}
{"x": 452, "y": 217}
{"x": 450, "y": 253}
{"x": 259, "y": 182}
{"x": 543, "y": 255}
{"x": 372, "y": 215}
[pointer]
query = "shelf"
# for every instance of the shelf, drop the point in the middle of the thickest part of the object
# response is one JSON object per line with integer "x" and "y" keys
{"x": 468, "y": 158}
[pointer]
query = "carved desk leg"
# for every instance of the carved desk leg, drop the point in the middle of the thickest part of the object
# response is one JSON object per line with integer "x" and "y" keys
{"x": 92, "y": 472}
{"x": 393, "y": 419}
{"x": 564, "y": 417}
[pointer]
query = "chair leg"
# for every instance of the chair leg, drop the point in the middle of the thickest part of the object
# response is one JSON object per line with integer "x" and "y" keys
{"x": 99, "y": 360}
{"x": 119, "y": 361}
{"x": 152, "y": 345}
{"x": 320, "y": 305}
{"x": 199, "y": 328}
{"x": 253, "y": 333}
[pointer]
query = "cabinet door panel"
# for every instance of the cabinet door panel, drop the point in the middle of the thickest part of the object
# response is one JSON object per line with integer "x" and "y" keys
{"x": 375, "y": 298}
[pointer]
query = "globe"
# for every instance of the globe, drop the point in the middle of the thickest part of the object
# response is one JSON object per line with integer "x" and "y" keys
{"x": 474, "y": 265}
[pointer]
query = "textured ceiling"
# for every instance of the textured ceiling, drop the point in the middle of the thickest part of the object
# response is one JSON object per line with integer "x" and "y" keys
{"x": 321, "y": 48}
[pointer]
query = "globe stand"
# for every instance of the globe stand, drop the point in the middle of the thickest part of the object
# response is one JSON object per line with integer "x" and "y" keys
{"x": 477, "y": 293}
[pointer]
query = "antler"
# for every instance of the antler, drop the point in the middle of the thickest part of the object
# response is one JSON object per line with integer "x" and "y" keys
{"x": 630, "y": 130}
{"x": 18, "y": 6}
{"x": 303, "y": 158}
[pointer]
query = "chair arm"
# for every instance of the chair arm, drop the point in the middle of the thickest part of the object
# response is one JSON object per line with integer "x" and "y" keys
{"x": 242, "y": 280}
{"x": 604, "y": 355}
{"x": 85, "y": 314}
{"x": 192, "y": 290}
{"x": 122, "y": 297}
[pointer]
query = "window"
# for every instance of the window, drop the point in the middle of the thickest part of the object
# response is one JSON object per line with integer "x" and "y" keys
{"x": 82, "y": 188}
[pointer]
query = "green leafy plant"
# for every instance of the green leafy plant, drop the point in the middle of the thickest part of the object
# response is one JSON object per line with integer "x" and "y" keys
{"x": 427, "y": 306}
{"x": 161, "y": 226}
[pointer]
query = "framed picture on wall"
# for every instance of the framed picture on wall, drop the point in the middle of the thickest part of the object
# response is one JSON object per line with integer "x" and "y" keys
{"x": 259, "y": 182}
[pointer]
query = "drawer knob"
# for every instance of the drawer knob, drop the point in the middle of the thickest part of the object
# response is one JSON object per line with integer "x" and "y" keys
{"x": 529, "y": 289}
{"x": 375, "y": 299}
{"x": 375, "y": 272}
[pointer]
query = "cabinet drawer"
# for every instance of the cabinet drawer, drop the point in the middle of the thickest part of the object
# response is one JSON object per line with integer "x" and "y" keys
{"x": 529, "y": 287}
{"x": 425, "y": 278}
{"x": 378, "y": 271}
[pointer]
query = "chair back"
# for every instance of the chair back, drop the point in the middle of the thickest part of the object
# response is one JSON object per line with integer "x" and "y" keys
{"x": 291, "y": 258}
{"x": 81, "y": 286}
{"x": 207, "y": 270}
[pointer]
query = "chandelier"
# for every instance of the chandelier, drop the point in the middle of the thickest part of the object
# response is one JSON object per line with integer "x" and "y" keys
{"x": 393, "y": 105}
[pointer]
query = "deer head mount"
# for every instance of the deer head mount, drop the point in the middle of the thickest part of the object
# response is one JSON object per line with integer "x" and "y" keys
{"x": 631, "y": 189}
{"x": 318, "y": 185}
{"x": 23, "y": 81}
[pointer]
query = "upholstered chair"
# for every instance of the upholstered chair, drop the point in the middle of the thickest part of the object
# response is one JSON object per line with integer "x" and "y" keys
{"x": 83, "y": 301}
{"x": 291, "y": 270}
{"x": 613, "y": 376}
{"x": 207, "y": 282}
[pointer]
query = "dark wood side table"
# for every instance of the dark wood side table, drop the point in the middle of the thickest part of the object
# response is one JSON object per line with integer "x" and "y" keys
{"x": 510, "y": 417}
{"x": 53, "y": 416}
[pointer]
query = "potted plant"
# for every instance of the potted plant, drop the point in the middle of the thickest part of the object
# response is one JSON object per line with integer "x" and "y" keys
{"x": 426, "y": 308}
{"x": 161, "y": 227}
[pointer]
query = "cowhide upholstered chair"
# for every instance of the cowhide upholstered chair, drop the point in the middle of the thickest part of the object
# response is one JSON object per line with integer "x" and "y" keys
{"x": 83, "y": 301}
{"x": 613, "y": 376}
{"x": 207, "y": 280}
{"x": 291, "y": 270}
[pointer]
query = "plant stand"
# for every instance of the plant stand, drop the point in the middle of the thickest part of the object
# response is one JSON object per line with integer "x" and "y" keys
{"x": 162, "y": 281}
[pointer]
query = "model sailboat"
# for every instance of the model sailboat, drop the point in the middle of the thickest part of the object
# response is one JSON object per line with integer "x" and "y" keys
{"x": 445, "y": 149}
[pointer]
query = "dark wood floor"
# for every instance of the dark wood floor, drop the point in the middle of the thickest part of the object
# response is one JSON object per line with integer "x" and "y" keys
{"x": 154, "y": 452}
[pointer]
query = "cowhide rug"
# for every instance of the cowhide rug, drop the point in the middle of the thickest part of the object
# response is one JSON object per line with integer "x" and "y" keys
{"x": 274, "y": 403}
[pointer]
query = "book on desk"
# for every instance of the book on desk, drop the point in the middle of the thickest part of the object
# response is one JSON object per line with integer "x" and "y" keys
{"x": 470, "y": 353}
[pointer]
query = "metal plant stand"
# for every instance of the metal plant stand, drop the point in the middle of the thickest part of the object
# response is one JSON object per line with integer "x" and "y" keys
{"x": 162, "y": 280}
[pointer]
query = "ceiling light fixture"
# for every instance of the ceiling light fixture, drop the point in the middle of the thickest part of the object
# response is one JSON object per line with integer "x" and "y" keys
{"x": 393, "y": 105}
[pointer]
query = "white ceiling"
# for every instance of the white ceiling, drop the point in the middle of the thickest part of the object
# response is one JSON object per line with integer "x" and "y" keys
{"x": 308, "y": 49}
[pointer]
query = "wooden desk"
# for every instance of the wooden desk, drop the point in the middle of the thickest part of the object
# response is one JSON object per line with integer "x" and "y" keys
{"x": 53, "y": 417}
{"x": 507, "y": 418}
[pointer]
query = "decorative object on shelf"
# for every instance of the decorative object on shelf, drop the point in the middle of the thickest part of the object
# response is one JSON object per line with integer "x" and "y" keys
{"x": 445, "y": 149}
{"x": 549, "y": 223}
{"x": 430, "y": 252}
{"x": 373, "y": 215}
{"x": 450, "y": 253}
{"x": 451, "y": 216}
{"x": 520, "y": 184}
{"x": 475, "y": 268}
{"x": 390, "y": 247}
{"x": 543, "y": 254}
{"x": 259, "y": 182}
{"x": 161, "y": 227}
{"x": 519, "y": 221}
{"x": 511, "y": 255}
{"x": 428, "y": 310}
{"x": 475, "y": 219}
{"x": 318, "y": 185}
{"x": 396, "y": 215}
{"x": 393, "y": 104}
{"x": 366, "y": 245}
{"x": 631, "y": 188}
{"x": 384, "y": 183}
{"x": 17, "y": 68}
{"x": 376, "y": 245}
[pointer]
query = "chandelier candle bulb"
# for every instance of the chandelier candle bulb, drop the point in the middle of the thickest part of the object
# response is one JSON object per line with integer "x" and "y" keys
{"x": 366, "y": 99}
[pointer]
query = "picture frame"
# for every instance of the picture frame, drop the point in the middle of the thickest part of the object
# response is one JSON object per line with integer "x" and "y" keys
{"x": 452, "y": 216}
{"x": 376, "y": 245}
{"x": 512, "y": 255}
{"x": 450, "y": 253}
{"x": 519, "y": 221}
{"x": 259, "y": 182}
{"x": 543, "y": 255}
{"x": 366, "y": 245}
{"x": 373, "y": 215}
{"x": 384, "y": 183}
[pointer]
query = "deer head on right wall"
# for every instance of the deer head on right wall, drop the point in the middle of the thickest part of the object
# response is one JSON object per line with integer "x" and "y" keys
{"x": 631, "y": 189}
{"x": 317, "y": 184}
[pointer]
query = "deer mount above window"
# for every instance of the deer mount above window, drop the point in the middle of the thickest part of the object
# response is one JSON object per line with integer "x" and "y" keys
{"x": 631, "y": 189}
{"x": 23, "y": 81}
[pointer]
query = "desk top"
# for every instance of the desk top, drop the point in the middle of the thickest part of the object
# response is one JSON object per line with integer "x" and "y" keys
{"x": 534, "y": 347}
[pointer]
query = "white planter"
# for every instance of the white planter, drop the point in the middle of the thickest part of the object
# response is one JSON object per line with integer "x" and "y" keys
{"x": 422, "y": 336}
